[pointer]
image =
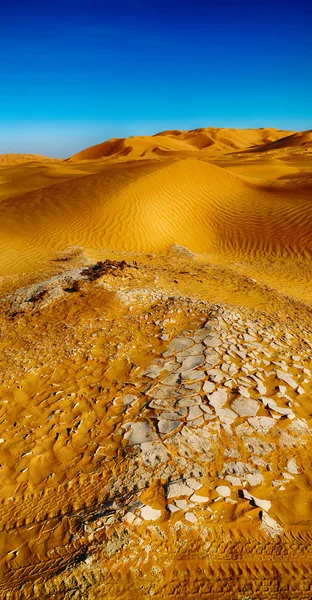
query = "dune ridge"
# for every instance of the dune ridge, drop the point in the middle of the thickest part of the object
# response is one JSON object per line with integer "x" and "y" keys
{"x": 208, "y": 139}
{"x": 208, "y": 190}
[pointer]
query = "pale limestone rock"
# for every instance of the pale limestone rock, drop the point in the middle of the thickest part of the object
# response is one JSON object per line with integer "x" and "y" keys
{"x": 227, "y": 417}
{"x": 236, "y": 481}
{"x": 162, "y": 392}
{"x": 153, "y": 371}
{"x": 193, "y": 351}
{"x": 208, "y": 387}
{"x": 140, "y": 432}
{"x": 150, "y": 514}
{"x": 223, "y": 490}
{"x": 218, "y": 398}
{"x": 206, "y": 409}
{"x": 179, "y": 344}
{"x": 193, "y": 483}
{"x": 189, "y": 516}
{"x": 261, "y": 424}
{"x": 254, "y": 479}
{"x": 153, "y": 453}
{"x": 192, "y": 375}
{"x": 191, "y": 362}
{"x": 172, "y": 508}
{"x": 197, "y": 422}
{"x": 243, "y": 391}
{"x": 166, "y": 426}
{"x": 194, "y": 412}
{"x": 279, "y": 409}
{"x": 181, "y": 504}
{"x": 198, "y": 498}
{"x": 124, "y": 401}
{"x": 270, "y": 526}
{"x": 172, "y": 379}
{"x": 287, "y": 378}
{"x": 264, "y": 504}
{"x": 245, "y": 407}
{"x": 212, "y": 341}
{"x": 292, "y": 466}
{"x": 178, "y": 488}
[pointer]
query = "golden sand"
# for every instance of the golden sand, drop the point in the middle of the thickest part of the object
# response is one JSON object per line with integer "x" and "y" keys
{"x": 155, "y": 393}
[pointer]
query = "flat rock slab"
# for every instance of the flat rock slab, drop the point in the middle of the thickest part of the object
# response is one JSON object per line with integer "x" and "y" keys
{"x": 191, "y": 362}
{"x": 212, "y": 341}
{"x": 166, "y": 426}
{"x": 179, "y": 488}
{"x": 218, "y": 398}
{"x": 262, "y": 424}
{"x": 287, "y": 378}
{"x": 178, "y": 345}
{"x": 245, "y": 407}
{"x": 140, "y": 432}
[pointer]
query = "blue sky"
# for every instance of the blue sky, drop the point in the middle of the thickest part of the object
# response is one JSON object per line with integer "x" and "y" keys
{"x": 75, "y": 73}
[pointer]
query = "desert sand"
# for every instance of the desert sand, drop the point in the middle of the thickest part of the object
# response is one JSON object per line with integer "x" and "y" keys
{"x": 156, "y": 398}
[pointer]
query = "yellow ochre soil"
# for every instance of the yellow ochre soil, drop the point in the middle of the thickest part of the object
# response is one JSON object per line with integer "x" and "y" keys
{"x": 155, "y": 389}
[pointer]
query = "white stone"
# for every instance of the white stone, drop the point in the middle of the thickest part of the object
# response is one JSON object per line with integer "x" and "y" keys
{"x": 172, "y": 508}
{"x": 292, "y": 466}
{"x": 193, "y": 483}
{"x": 192, "y": 375}
{"x": 212, "y": 341}
{"x": 218, "y": 398}
{"x": 233, "y": 480}
{"x": 245, "y": 407}
{"x": 208, "y": 387}
{"x": 262, "y": 424}
{"x": 182, "y": 504}
{"x": 287, "y": 378}
{"x": 168, "y": 426}
{"x": 264, "y": 504}
{"x": 191, "y": 362}
{"x": 269, "y": 525}
{"x": 179, "y": 344}
{"x": 194, "y": 412}
{"x": 139, "y": 432}
{"x": 243, "y": 391}
{"x": 223, "y": 490}
{"x": 254, "y": 479}
{"x": 198, "y": 498}
{"x": 178, "y": 488}
{"x": 189, "y": 516}
{"x": 150, "y": 514}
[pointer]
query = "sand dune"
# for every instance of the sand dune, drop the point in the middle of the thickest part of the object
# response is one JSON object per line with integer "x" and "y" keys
{"x": 148, "y": 206}
{"x": 204, "y": 140}
{"x": 22, "y": 158}
{"x": 303, "y": 138}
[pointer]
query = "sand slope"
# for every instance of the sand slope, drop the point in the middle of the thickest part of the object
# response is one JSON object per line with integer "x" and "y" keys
{"x": 204, "y": 189}
{"x": 207, "y": 140}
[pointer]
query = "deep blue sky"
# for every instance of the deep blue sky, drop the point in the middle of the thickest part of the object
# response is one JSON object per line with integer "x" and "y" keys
{"x": 75, "y": 73}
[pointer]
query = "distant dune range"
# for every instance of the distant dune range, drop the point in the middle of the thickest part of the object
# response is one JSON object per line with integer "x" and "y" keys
{"x": 244, "y": 194}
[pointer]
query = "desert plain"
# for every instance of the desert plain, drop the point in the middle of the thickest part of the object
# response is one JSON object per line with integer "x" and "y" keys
{"x": 156, "y": 369}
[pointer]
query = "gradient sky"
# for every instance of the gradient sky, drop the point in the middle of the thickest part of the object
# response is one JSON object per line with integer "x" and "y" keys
{"x": 75, "y": 73}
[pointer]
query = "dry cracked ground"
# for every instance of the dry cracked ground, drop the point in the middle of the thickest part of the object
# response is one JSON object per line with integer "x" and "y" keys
{"x": 154, "y": 443}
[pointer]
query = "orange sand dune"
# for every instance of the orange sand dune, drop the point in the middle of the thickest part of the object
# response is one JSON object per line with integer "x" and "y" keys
{"x": 148, "y": 206}
{"x": 223, "y": 139}
{"x": 22, "y": 158}
{"x": 303, "y": 138}
{"x": 136, "y": 147}
{"x": 181, "y": 141}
